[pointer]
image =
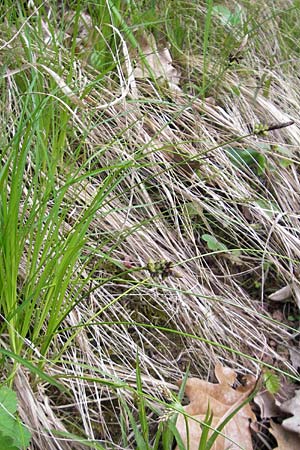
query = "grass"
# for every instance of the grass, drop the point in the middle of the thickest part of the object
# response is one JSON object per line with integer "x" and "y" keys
{"x": 105, "y": 178}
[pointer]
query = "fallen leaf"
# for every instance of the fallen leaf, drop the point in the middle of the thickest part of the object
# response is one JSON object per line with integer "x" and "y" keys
{"x": 286, "y": 440}
{"x": 281, "y": 294}
{"x": 296, "y": 292}
{"x": 157, "y": 63}
{"x": 295, "y": 358}
{"x": 286, "y": 292}
{"x": 267, "y": 405}
{"x": 287, "y": 391}
{"x": 222, "y": 400}
{"x": 292, "y": 406}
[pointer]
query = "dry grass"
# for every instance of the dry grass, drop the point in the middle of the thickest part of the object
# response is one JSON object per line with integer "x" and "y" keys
{"x": 177, "y": 184}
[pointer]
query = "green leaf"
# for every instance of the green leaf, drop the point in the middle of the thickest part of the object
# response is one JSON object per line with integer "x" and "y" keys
{"x": 141, "y": 402}
{"x": 192, "y": 209}
{"x": 83, "y": 441}
{"x": 177, "y": 436}
{"x": 248, "y": 158}
{"x": 271, "y": 381}
{"x": 223, "y": 14}
{"x": 8, "y": 401}
{"x": 10, "y": 427}
{"x": 297, "y": 3}
{"x": 7, "y": 443}
{"x": 226, "y": 17}
{"x": 268, "y": 206}
{"x": 140, "y": 441}
{"x": 282, "y": 150}
{"x": 293, "y": 318}
{"x": 267, "y": 86}
{"x": 284, "y": 163}
{"x": 236, "y": 91}
{"x": 207, "y": 423}
{"x": 213, "y": 243}
{"x": 33, "y": 369}
{"x": 286, "y": 155}
{"x": 227, "y": 419}
{"x": 171, "y": 430}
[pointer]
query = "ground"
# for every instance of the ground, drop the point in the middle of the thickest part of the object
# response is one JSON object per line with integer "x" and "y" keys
{"x": 149, "y": 208}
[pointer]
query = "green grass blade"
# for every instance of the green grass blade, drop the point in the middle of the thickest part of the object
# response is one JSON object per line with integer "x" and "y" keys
{"x": 141, "y": 403}
{"x": 216, "y": 433}
{"x": 78, "y": 439}
{"x": 206, "y": 428}
{"x": 33, "y": 369}
{"x": 140, "y": 441}
{"x": 207, "y": 31}
{"x": 177, "y": 436}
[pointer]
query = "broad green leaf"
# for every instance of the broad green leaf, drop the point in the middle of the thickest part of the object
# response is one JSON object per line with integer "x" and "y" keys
{"x": 269, "y": 207}
{"x": 223, "y": 14}
{"x": 282, "y": 150}
{"x": 271, "y": 381}
{"x": 192, "y": 209}
{"x": 284, "y": 163}
{"x": 226, "y": 17}
{"x": 6, "y": 443}
{"x": 213, "y": 243}
{"x": 8, "y": 401}
{"x": 248, "y": 158}
{"x": 285, "y": 151}
{"x": 10, "y": 426}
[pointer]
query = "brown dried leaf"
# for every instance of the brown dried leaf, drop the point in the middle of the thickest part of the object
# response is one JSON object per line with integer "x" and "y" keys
{"x": 295, "y": 358}
{"x": 223, "y": 400}
{"x": 287, "y": 391}
{"x": 296, "y": 292}
{"x": 267, "y": 405}
{"x": 225, "y": 375}
{"x": 159, "y": 61}
{"x": 281, "y": 294}
{"x": 286, "y": 292}
{"x": 286, "y": 440}
{"x": 292, "y": 406}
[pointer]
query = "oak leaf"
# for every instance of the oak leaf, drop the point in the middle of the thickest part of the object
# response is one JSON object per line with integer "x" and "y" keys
{"x": 267, "y": 405}
{"x": 286, "y": 292}
{"x": 292, "y": 406}
{"x": 157, "y": 63}
{"x": 295, "y": 357}
{"x": 286, "y": 440}
{"x": 222, "y": 400}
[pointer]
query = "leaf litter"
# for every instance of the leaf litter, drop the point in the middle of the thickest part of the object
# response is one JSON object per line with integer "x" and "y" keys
{"x": 156, "y": 63}
{"x": 166, "y": 61}
{"x": 286, "y": 430}
{"x": 292, "y": 406}
{"x": 286, "y": 292}
{"x": 285, "y": 439}
{"x": 222, "y": 399}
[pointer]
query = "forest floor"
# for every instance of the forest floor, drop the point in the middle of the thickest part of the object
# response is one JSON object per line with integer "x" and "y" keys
{"x": 150, "y": 206}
